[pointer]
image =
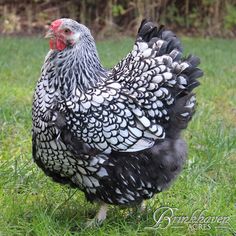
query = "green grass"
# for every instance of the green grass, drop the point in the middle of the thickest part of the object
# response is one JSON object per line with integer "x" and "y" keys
{"x": 31, "y": 204}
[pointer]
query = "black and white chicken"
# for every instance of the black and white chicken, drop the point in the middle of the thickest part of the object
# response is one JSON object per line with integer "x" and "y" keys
{"x": 114, "y": 134}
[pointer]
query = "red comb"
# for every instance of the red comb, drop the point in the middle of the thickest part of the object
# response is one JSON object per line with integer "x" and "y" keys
{"x": 55, "y": 24}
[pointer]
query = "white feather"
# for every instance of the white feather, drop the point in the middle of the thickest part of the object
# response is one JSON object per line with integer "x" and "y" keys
{"x": 142, "y": 46}
{"x": 102, "y": 172}
{"x": 157, "y": 79}
{"x": 147, "y": 52}
{"x": 142, "y": 144}
{"x": 145, "y": 121}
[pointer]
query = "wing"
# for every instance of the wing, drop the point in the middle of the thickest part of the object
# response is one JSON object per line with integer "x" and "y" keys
{"x": 109, "y": 118}
{"x": 131, "y": 109}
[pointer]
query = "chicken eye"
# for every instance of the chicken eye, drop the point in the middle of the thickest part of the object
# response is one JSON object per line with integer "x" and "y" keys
{"x": 67, "y": 31}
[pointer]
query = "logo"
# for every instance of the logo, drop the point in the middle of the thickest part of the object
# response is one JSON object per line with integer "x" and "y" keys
{"x": 165, "y": 217}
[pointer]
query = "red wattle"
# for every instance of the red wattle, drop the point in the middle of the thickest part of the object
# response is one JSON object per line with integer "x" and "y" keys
{"x": 52, "y": 44}
{"x": 57, "y": 44}
{"x": 60, "y": 45}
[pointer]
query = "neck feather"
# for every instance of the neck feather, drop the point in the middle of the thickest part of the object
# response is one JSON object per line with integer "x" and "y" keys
{"x": 77, "y": 67}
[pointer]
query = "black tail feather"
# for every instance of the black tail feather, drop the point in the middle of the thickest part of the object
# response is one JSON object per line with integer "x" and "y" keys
{"x": 147, "y": 31}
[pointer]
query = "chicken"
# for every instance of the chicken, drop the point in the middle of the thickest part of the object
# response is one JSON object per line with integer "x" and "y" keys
{"x": 114, "y": 134}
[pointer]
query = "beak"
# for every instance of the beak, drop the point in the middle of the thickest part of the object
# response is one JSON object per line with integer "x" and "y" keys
{"x": 49, "y": 34}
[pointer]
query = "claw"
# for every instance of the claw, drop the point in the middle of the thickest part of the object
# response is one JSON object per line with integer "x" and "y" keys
{"x": 142, "y": 207}
{"x": 99, "y": 218}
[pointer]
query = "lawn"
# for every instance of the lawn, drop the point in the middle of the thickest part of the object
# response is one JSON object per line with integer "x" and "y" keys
{"x": 31, "y": 204}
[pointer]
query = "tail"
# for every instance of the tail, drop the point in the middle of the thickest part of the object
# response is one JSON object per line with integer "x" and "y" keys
{"x": 184, "y": 106}
{"x": 185, "y": 72}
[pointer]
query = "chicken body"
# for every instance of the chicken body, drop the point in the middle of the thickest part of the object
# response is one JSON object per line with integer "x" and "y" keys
{"x": 114, "y": 134}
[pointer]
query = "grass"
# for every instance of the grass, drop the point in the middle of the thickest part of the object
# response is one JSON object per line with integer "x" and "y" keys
{"x": 31, "y": 204}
